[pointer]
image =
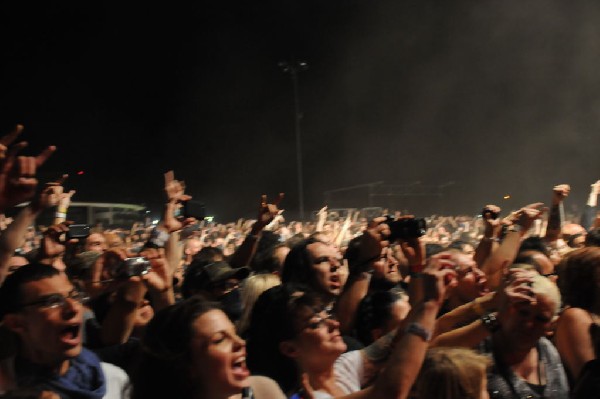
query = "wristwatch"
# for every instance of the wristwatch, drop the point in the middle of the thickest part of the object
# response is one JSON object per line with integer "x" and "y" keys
{"x": 490, "y": 322}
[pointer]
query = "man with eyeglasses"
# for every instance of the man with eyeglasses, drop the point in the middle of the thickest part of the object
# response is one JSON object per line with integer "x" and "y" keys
{"x": 41, "y": 307}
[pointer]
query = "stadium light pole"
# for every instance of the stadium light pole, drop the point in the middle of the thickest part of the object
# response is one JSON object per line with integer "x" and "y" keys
{"x": 293, "y": 68}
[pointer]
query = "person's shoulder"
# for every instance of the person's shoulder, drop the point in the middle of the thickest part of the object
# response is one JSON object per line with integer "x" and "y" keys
{"x": 350, "y": 358}
{"x": 265, "y": 388}
{"x": 117, "y": 381}
{"x": 575, "y": 314}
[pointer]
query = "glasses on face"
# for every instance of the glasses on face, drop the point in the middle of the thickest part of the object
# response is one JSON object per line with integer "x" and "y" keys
{"x": 55, "y": 301}
{"x": 320, "y": 319}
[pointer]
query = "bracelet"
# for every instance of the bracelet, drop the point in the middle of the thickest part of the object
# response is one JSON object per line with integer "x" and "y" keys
{"x": 60, "y": 215}
{"x": 62, "y": 210}
{"x": 490, "y": 322}
{"x": 477, "y": 307}
{"x": 418, "y": 330}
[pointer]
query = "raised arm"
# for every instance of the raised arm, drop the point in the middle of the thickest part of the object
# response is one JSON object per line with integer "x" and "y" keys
{"x": 405, "y": 361}
{"x": 591, "y": 207}
{"x": 556, "y": 216}
{"x": 17, "y": 174}
{"x": 465, "y": 326}
{"x": 345, "y": 227}
{"x": 64, "y": 201}
{"x": 266, "y": 213}
{"x": 489, "y": 241}
{"x": 507, "y": 251}
{"x": 172, "y": 224}
{"x": 363, "y": 251}
{"x": 159, "y": 280}
{"x": 322, "y": 218}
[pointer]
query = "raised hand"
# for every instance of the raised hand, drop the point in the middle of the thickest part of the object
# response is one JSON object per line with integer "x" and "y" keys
{"x": 53, "y": 195}
{"x": 159, "y": 278}
{"x": 528, "y": 214}
{"x": 175, "y": 189}
{"x": 17, "y": 174}
{"x": 492, "y": 225}
{"x": 372, "y": 241}
{"x": 438, "y": 276}
{"x": 595, "y": 187}
{"x": 266, "y": 212}
{"x": 175, "y": 193}
{"x": 514, "y": 288}
{"x": 560, "y": 192}
{"x": 322, "y": 212}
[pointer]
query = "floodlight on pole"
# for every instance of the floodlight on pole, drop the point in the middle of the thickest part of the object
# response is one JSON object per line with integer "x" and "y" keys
{"x": 293, "y": 68}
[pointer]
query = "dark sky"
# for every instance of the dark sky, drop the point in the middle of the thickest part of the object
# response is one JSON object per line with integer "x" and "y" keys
{"x": 497, "y": 97}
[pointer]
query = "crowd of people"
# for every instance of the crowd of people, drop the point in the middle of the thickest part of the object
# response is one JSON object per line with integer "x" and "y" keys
{"x": 388, "y": 306}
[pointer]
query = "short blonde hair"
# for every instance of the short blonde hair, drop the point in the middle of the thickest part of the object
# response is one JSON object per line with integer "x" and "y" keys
{"x": 252, "y": 287}
{"x": 542, "y": 286}
{"x": 452, "y": 373}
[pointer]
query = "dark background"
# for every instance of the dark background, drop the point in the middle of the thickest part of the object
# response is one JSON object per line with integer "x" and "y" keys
{"x": 496, "y": 97}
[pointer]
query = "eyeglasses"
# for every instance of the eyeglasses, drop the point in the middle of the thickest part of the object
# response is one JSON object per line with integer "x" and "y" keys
{"x": 55, "y": 301}
{"x": 318, "y": 321}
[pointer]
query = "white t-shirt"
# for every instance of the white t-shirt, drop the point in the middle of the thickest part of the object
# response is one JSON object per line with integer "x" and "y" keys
{"x": 117, "y": 382}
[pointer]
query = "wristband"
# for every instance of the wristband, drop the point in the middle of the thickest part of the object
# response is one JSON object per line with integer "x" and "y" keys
{"x": 62, "y": 210}
{"x": 418, "y": 330}
{"x": 60, "y": 215}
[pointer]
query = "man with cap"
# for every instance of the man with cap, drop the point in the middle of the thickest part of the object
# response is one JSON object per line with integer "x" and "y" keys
{"x": 216, "y": 281}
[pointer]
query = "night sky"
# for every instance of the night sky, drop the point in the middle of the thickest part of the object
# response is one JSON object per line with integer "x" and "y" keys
{"x": 494, "y": 97}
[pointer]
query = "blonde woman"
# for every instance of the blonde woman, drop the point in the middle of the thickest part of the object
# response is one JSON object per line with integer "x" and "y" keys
{"x": 459, "y": 373}
{"x": 253, "y": 287}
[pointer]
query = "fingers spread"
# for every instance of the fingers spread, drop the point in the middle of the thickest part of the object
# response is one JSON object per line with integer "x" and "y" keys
{"x": 12, "y": 136}
{"x": 43, "y": 157}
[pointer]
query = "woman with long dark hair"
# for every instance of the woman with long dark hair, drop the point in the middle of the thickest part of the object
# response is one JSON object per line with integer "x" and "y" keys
{"x": 191, "y": 350}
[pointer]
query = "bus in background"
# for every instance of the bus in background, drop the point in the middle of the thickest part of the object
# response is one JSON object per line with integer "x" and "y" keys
{"x": 106, "y": 214}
